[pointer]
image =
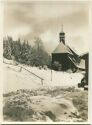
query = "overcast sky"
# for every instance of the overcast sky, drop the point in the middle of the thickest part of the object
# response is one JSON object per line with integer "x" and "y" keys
{"x": 28, "y": 20}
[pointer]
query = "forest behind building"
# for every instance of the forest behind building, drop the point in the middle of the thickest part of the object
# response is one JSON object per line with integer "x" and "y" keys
{"x": 24, "y": 53}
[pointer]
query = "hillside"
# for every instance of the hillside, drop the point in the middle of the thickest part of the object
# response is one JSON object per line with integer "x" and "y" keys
{"x": 26, "y": 99}
{"x": 14, "y": 79}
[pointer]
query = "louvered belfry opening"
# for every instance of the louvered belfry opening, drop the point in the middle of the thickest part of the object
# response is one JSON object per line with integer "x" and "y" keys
{"x": 62, "y": 37}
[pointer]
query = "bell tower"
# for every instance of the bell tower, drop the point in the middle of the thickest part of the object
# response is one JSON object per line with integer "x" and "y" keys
{"x": 62, "y": 36}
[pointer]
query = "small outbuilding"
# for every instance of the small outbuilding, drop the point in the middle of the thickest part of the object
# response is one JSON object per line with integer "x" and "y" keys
{"x": 85, "y": 57}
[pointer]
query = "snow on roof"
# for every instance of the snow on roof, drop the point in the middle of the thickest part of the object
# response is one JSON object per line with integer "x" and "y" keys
{"x": 72, "y": 50}
{"x": 84, "y": 54}
{"x": 61, "y": 48}
{"x": 81, "y": 65}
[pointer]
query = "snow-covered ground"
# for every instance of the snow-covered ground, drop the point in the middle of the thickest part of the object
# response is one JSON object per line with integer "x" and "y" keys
{"x": 26, "y": 99}
{"x": 14, "y": 79}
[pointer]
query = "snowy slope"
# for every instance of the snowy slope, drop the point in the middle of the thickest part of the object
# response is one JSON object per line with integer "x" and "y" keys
{"x": 14, "y": 79}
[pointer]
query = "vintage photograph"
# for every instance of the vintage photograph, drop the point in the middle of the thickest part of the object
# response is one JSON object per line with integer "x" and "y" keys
{"x": 45, "y": 61}
{"x": 46, "y": 124}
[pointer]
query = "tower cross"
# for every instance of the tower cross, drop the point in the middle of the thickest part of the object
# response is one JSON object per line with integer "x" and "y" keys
{"x": 62, "y": 28}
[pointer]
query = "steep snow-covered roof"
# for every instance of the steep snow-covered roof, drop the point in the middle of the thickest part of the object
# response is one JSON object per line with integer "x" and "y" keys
{"x": 81, "y": 65}
{"x": 83, "y": 54}
{"x": 61, "y": 48}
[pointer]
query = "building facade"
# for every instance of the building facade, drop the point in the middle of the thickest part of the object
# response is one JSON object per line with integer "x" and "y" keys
{"x": 63, "y": 57}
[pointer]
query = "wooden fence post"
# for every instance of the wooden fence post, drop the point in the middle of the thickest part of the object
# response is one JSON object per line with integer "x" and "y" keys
{"x": 42, "y": 81}
{"x": 51, "y": 74}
